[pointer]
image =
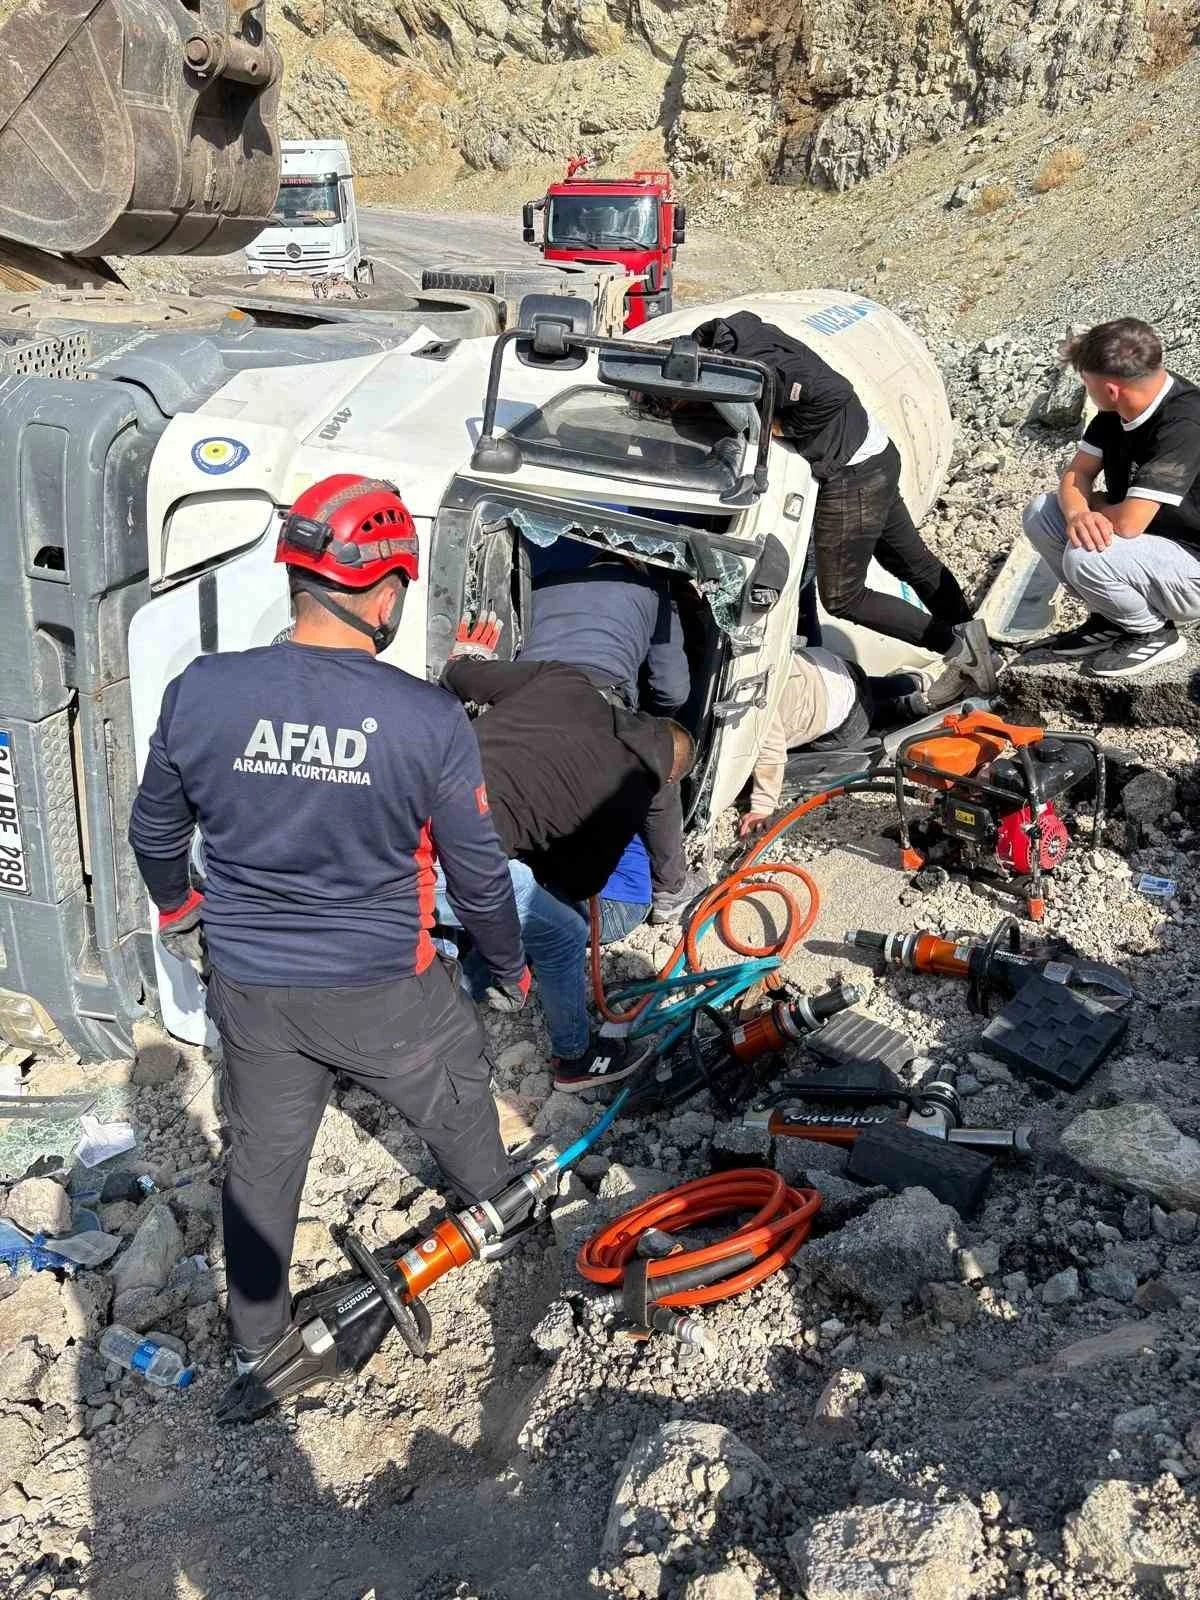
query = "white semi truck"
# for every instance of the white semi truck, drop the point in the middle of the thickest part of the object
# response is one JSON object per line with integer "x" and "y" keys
{"x": 146, "y": 457}
{"x": 314, "y": 227}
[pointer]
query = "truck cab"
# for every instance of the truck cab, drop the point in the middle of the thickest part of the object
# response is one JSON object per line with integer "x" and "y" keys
{"x": 143, "y": 508}
{"x": 314, "y": 227}
{"x": 634, "y": 221}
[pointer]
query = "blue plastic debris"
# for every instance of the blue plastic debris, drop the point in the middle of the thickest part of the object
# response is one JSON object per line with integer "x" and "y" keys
{"x": 1156, "y": 888}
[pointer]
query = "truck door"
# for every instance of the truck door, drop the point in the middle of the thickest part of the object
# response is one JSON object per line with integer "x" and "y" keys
{"x": 758, "y": 650}
{"x": 234, "y": 607}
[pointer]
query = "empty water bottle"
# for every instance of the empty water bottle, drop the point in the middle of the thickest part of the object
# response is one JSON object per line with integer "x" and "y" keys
{"x": 156, "y": 1362}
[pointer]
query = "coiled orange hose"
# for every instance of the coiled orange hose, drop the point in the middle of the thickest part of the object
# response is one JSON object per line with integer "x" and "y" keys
{"x": 750, "y": 877}
{"x": 779, "y": 1226}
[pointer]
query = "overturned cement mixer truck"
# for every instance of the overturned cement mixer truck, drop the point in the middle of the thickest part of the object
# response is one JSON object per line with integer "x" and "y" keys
{"x": 139, "y": 521}
{"x": 148, "y": 448}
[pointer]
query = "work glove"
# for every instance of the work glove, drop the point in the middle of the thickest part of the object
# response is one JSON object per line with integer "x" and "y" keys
{"x": 510, "y": 996}
{"x": 180, "y": 931}
{"x": 477, "y": 642}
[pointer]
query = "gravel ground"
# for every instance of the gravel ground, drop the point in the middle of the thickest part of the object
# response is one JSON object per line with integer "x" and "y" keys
{"x": 922, "y": 1405}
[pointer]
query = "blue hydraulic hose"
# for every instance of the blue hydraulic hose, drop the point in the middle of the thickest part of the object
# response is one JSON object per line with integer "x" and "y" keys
{"x": 586, "y": 1140}
{"x": 714, "y": 987}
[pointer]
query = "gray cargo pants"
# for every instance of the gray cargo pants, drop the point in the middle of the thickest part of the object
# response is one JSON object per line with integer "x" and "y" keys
{"x": 1135, "y": 583}
{"x": 417, "y": 1043}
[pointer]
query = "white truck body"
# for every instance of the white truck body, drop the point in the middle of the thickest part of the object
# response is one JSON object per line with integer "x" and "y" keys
{"x": 314, "y": 231}
{"x": 221, "y": 475}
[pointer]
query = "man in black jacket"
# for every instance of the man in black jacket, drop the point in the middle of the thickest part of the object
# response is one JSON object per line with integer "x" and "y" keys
{"x": 571, "y": 777}
{"x": 860, "y": 512}
{"x": 616, "y": 619}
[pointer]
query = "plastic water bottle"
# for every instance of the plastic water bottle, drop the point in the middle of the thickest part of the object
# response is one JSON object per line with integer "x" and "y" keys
{"x": 155, "y": 1362}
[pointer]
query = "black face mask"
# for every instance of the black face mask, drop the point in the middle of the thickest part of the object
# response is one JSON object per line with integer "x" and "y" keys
{"x": 382, "y": 636}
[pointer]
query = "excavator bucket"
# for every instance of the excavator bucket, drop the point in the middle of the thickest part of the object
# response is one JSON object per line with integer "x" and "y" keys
{"x": 137, "y": 127}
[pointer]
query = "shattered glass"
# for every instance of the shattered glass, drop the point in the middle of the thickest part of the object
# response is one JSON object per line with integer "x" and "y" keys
{"x": 719, "y": 575}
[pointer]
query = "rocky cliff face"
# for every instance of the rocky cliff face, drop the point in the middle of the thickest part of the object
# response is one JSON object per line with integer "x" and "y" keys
{"x": 809, "y": 91}
{"x": 803, "y": 91}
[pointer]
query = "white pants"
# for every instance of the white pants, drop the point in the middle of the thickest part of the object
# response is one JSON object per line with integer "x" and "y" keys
{"x": 1136, "y": 583}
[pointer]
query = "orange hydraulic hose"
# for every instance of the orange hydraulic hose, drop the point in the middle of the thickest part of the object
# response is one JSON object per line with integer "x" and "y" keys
{"x": 751, "y": 876}
{"x": 779, "y": 1226}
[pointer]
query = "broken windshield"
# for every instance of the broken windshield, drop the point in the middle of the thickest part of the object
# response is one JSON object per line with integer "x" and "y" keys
{"x": 607, "y": 432}
{"x": 603, "y": 222}
{"x": 307, "y": 205}
{"x": 687, "y": 542}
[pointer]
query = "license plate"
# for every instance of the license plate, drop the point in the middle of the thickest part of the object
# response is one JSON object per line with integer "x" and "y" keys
{"x": 14, "y": 879}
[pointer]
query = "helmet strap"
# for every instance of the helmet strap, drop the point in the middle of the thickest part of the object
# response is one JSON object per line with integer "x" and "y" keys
{"x": 380, "y": 636}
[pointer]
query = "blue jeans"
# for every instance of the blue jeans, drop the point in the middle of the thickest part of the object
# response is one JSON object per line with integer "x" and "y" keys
{"x": 555, "y": 936}
{"x": 618, "y": 919}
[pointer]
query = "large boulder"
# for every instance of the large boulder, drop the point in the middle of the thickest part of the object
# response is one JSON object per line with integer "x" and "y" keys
{"x": 1138, "y": 1149}
{"x": 1125, "y": 1532}
{"x": 146, "y": 1263}
{"x": 677, "y": 1485}
{"x": 886, "y": 1257}
{"x": 39, "y": 1205}
{"x": 900, "y": 1550}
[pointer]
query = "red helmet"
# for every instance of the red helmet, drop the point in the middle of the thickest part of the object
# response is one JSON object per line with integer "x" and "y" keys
{"x": 351, "y": 530}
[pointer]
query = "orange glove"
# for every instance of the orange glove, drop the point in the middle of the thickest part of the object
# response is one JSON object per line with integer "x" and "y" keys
{"x": 479, "y": 641}
{"x": 510, "y": 996}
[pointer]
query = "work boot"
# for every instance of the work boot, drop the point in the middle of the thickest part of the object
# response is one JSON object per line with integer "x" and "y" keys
{"x": 969, "y": 667}
{"x": 608, "y": 1059}
{"x": 670, "y": 905}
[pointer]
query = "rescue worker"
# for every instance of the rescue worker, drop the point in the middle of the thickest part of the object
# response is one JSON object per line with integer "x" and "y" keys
{"x": 618, "y": 622}
{"x": 860, "y": 512}
{"x": 323, "y": 783}
{"x": 571, "y": 775}
{"x": 827, "y": 704}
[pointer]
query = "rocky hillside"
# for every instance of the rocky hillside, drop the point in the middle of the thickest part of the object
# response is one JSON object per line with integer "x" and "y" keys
{"x": 824, "y": 92}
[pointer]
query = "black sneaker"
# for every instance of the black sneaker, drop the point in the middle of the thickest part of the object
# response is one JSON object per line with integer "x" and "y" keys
{"x": 670, "y": 906}
{"x": 608, "y": 1059}
{"x": 1088, "y": 639}
{"x": 1139, "y": 652}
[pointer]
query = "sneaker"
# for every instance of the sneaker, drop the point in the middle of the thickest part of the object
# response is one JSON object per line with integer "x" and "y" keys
{"x": 670, "y": 906}
{"x": 248, "y": 1360}
{"x": 1088, "y": 639}
{"x": 969, "y": 667}
{"x": 607, "y": 1059}
{"x": 1139, "y": 652}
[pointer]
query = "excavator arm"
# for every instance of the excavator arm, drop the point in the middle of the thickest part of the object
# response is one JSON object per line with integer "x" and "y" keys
{"x": 135, "y": 127}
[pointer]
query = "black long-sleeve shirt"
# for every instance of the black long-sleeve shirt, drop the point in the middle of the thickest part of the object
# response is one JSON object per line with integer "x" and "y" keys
{"x": 570, "y": 776}
{"x": 323, "y": 783}
{"x": 817, "y": 409}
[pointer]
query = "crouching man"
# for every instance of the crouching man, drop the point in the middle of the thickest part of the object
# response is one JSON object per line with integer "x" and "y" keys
{"x": 1132, "y": 554}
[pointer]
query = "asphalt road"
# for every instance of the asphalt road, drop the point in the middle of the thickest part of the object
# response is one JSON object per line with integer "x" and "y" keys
{"x": 401, "y": 243}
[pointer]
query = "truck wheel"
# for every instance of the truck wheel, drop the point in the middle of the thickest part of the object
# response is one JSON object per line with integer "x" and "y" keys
{"x": 454, "y": 278}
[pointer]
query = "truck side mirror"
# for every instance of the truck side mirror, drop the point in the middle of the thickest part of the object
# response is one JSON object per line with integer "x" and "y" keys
{"x": 679, "y": 235}
{"x": 654, "y": 277}
{"x": 527, "y": 233}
